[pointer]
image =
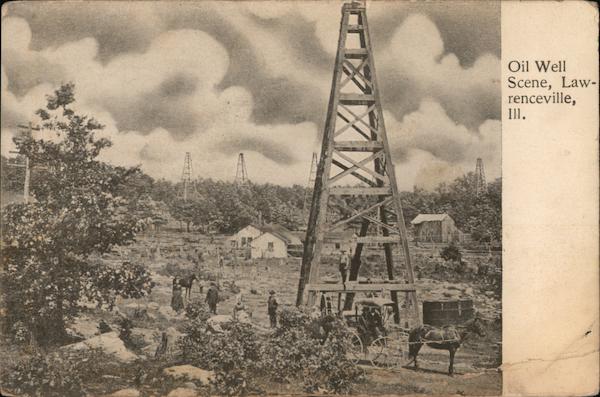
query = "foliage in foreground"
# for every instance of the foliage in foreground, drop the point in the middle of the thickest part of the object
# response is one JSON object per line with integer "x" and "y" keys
{"x": 298, "y": 351}
{"x": 60, "y": 374}
{"x": 81, "y": 208}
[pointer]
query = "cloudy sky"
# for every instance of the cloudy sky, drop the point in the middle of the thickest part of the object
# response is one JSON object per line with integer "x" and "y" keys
{"x": 219, "y": 78}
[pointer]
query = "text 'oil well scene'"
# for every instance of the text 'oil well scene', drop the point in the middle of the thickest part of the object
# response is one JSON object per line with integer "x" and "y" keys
{"x": 248, "y": 198}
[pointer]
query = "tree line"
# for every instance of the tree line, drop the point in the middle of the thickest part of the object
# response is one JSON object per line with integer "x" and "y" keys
{"x": 82, "y": 208}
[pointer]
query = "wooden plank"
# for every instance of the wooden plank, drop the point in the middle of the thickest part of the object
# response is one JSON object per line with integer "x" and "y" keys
{"x": 357, "y": 119}
{"x": 356, "y": 99}
{"x": 360, "y": 213}
{"x": 360, "y": 287}
{"x": 356, "y": 71}
{"x": 354, "y": 174}
{"x": 355, "y": 165}
{"x": 375, "y": 156}
{"x": 355, "y": 28}
{"x": 356, "y": 53}
{"x": 352, "y": 71}
{"x": 360, "y": 119}
{"x": 350, "y": 124}
{"x": 378, "y": 239}
{"x": 385, "y": 225}
{"x": 352, "y": 77}
{"x": 358, "y": 146}
{"x": 360, "y": 191}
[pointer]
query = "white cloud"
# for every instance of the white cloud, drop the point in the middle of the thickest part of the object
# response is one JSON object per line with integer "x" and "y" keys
{"x": 433, "y": 146}
{"x": 417, "y": 59}
{"x": 429, "y": 147}
{"x": 223, "y": 118}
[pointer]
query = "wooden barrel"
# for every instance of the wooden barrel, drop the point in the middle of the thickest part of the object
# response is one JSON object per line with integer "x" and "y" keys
{"x": 447, "y": 312}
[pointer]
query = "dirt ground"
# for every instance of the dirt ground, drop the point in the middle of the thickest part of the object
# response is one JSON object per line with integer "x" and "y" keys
{"x": 475, "y": 362}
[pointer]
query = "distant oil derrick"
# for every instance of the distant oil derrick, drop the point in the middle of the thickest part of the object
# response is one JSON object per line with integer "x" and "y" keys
{"x": 241, "y": 174}
{"x": 187, "y": 187}
{"x": 480, "y": 182}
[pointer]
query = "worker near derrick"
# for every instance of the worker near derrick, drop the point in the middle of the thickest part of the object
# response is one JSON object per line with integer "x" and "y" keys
{"x": 212, "y": 298}
{"x": 344, "y": 265}
{"x": 272, "y": 309}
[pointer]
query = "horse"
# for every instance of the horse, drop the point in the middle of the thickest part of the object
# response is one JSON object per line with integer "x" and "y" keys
{"x": 186, "y": 282}
{"x": 445, "y": 338}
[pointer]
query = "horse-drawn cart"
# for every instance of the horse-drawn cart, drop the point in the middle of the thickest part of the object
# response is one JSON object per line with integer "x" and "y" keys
{"x": 375, "y": 339}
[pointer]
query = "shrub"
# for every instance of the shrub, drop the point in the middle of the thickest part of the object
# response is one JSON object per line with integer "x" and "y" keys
{"x": 451, "y": 252}
{"x": 58, "y": 374}
{"x": 295, "y": 351}
{"x": 233, "y": 355}
{"x": 311, "y": 350}
{"x": 197, "y": 310}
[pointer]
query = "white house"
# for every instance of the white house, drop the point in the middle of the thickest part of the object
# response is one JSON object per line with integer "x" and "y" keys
{"x": 274, "y": 242}
{"x": 269, "y": 245}
{"x": 243, "y": 238}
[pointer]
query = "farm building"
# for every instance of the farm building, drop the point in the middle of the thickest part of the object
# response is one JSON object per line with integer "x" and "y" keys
{"x": 266, "y": 240}
{"x": 243, "y": 238}
{"x": 275, "y": 241}
{"x": 435, "y": 228}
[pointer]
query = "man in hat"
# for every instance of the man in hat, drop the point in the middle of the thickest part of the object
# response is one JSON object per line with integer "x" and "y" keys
{"x": 272, "y": 309}
{"x": 212, "y": 298}
{"x": 344, "y": 265}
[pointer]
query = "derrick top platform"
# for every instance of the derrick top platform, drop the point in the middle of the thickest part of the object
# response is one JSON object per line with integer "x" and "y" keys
{"x": 354, "y": 5}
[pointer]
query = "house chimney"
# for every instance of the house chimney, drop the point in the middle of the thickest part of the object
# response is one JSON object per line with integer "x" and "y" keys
{"x": 260, "y": 221}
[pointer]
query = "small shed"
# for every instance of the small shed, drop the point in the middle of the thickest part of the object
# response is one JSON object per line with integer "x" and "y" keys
{"x": 435, "y": 228}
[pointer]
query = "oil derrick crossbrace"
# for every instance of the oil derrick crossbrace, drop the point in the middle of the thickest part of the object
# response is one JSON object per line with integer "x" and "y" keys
{"x": 355, "y": 127}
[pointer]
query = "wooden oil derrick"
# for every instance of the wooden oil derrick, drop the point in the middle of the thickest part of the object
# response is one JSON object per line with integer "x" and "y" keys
{"x": 356, "y": 166}
{"x": 480, "y": 182}
{"x": 241, "y": 174}
{"x": 187, "y": 187}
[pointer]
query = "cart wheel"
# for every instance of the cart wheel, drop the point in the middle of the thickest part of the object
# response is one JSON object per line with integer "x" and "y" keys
{"x": 355, "y": 351}
{"x": 386, "y": 352}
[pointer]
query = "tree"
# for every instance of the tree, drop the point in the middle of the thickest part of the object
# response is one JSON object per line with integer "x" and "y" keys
{"x": 77, "y": 212}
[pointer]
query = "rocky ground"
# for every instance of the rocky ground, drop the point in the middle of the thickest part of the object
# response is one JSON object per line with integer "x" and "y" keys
{"x": 476, "y": 362}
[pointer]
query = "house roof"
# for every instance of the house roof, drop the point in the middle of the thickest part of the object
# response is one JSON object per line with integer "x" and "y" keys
{"x": 428, "y": 218}
{"x": 278, "y": 231}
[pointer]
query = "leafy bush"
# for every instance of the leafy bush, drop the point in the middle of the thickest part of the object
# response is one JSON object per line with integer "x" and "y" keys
{"x": 451, "y": 252}
{"x": 58, "y": 374}
{"x": 301, "y": 349}
{"x": 197, "y": 310}
{"x": 233, "y": 355}
{"x": 81, "y": 209}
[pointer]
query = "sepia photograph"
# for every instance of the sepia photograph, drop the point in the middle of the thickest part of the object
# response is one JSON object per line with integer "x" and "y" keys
{"x": 251, "y": 197}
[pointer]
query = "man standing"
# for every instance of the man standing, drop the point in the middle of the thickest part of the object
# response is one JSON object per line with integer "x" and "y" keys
{"x": 272, "y": 309}
{"x": 344, "y": 264}
{"x": 212, "y": 298}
